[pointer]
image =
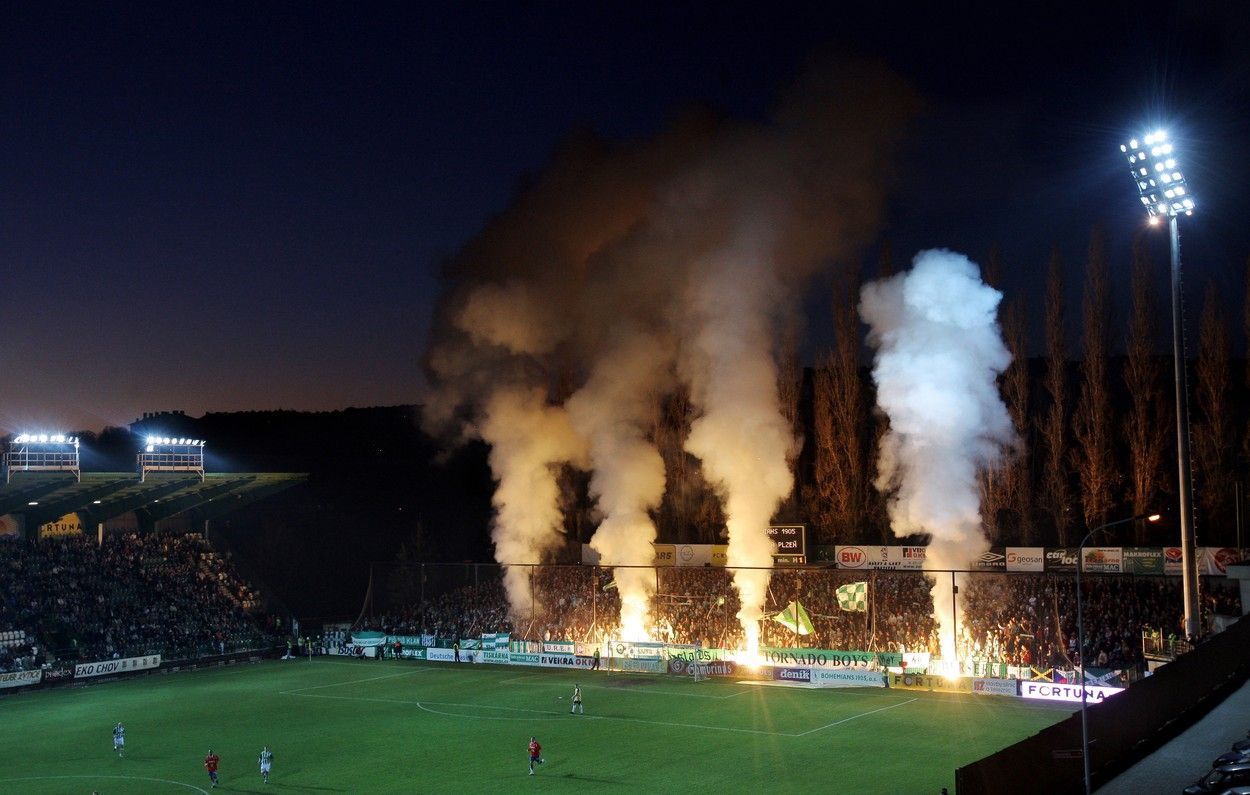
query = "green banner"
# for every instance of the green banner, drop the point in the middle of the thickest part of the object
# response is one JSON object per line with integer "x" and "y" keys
{"x": 523, "y": 659}
{"x": 830, "y": 658}
{"x": 1143, "y": 560}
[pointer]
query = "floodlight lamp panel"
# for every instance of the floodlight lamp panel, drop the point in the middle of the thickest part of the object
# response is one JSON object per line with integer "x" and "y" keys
{"x": 1123, "y": 147}
{"x": 1132, "y": 144}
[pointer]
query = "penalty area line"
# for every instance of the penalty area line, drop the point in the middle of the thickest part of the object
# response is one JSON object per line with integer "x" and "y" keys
{"x": 854, "y": 717}
{"x": 118, "y": 778}
{"x": 424, "y": 706}
{"x": 299, "y": 690}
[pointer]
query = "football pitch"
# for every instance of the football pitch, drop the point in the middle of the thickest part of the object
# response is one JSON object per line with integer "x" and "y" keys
{"x": 339, "y": 725}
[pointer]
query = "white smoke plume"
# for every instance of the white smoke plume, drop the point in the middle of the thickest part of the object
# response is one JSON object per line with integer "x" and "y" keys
{"x": 742, "y": 437}
{"x": 610, "y": 412}
{"x": 699, "y": 238}
{"x": 528, "y": 440}
{"x": 939, "y": 351}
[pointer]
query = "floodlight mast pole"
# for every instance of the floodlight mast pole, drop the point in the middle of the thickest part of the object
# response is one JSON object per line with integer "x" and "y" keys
{"x": 1165, "y": 192}
{"x": 1189, "y": 562}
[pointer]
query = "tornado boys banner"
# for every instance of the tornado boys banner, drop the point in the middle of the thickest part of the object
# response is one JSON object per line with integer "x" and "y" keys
{"x": 828, "y": 658}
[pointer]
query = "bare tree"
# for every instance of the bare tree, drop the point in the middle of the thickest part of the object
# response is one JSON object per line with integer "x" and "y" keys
{"x": 1054, "y": 426}
{"x": 1214, "y": 443}
{"x": 789, "y": 392}
{"x": 1092, "y": 457}
{"x": 841, "y": 473}
{"x": 993, "y": 478}
{"x": 1145, "y": 427}
{"x": 1015, "y": 384}
{"x": 1245, "y": 319}
{"x": 823, "y": 494}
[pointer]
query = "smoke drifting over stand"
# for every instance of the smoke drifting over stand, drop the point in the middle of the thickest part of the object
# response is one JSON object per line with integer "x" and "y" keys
{"x": 939, "y": 351}
{"x": 625, "y": 271}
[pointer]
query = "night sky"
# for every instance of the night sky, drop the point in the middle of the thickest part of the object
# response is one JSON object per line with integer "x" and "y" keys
{"x": 228, "y": 207}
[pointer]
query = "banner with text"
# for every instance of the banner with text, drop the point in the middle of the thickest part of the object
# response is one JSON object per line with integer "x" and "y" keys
{"x": 847, "y": 678}
{"x": 930, "y": 682}
{"x": 1047, "y": 691}
{"x": 1026, "y": 558}
{"x": 122, "y": 666}
{"x": 828, "y": 658}
{"x": 995, "y": 687}
{"x": 20, "y": 679}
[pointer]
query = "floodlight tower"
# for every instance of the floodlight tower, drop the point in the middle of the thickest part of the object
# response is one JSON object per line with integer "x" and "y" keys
{"x": 1165, "y": 194}
{"x": 165, "y": 454}
{"x": 42, "y": 452}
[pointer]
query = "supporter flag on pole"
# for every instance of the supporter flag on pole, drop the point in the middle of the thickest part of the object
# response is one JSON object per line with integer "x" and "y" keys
{"x": 854, "y": 597}
{"x": 795, "y": 619}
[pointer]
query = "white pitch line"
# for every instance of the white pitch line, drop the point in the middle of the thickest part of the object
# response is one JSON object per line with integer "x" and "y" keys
{"x": 299, "y": 690}
{"x": 122, "y": 778}
{"x": 421, "y": 705}
{"x": 641, "y": 690}
{"x": 854, "y": 717}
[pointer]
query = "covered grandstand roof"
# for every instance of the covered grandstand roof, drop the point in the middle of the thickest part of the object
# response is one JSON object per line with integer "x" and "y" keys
{"x": 99, "y": 496}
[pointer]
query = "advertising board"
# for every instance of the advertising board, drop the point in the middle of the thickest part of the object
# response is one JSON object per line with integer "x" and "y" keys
{"x": 847, "y": 678}
{"x": 1049, "y": 691}
{"x": 995, "y": 687}
{"x": 123, "y": 666}
{"x": 20, "y": 679}
{"x": 929, "y": 682}
{"x": 803, "y": 675}
{"x": 1026, "y": 558}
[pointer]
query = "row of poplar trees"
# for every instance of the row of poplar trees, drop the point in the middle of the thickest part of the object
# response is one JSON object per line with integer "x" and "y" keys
{"x": 1096, "y": 425}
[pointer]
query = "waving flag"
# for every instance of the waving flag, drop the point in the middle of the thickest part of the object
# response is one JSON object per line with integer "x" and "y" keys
{"x": 854, "y": 597}
{"x": 795, "y": 618}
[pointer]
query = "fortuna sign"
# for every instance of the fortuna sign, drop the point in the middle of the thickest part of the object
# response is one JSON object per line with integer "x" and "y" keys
{"x": 1046, "y": 691}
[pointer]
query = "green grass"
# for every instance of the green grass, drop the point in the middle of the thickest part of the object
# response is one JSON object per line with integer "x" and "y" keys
{"x": 356, "y": 726}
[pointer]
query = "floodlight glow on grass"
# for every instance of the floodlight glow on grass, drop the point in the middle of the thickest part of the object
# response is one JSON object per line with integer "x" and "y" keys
{"x": 1159, "y": 181}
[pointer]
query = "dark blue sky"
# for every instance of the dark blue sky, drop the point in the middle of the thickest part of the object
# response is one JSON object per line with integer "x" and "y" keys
{"x": 227, "y": 207}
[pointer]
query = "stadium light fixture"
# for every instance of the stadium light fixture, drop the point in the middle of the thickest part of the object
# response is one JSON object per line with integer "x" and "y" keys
{"x": 1154, "y": 188}
{"x": 1080, "y": 628}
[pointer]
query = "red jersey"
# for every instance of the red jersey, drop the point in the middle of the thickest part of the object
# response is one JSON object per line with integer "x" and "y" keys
{"x": 210, "y": 762}
{"x": 535, "y": 749}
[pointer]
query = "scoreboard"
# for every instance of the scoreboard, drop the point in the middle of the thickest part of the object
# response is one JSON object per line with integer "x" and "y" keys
{"x": 791, "y": 543}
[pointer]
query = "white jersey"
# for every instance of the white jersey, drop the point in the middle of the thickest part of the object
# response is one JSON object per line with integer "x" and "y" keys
{"x": 266, "y": 760}
{"x": 577, "y": 695}
{"x": 119, "y": 737}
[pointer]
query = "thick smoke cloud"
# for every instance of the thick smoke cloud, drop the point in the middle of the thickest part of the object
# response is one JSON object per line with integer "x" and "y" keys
{"x": 939, "y": 351}
{"x": 625, "y": 268}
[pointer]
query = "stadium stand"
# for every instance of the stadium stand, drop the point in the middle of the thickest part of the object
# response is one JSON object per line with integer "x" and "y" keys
{"x": 1013, "y": 619}
{"x": 131, "y": 595}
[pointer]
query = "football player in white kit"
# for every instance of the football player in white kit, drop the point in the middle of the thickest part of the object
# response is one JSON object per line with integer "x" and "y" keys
{"x": 266, "y": 761}
{"x": 119, "y": 739}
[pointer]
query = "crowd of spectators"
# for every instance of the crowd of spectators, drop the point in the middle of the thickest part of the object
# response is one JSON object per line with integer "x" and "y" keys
{"x": 129, "y": 596}
{"x": 1011, "y": 619}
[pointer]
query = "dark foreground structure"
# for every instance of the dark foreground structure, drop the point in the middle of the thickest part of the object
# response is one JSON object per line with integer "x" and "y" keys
{"x": 1123, "y": 729}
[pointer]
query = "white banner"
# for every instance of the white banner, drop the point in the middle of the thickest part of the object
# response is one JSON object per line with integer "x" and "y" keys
{"x": 1046, "y": 691}
{"x": 1106, "y": 560}
{"x": 894, "y": 558}
{"x": 122, "y": 666}
{"x": 564, "y": 661}
{"x": 995, "y": 687}
{"x": 843, "y": 678}
{"x": 20, "y": 678}
{"x": 449, "y": 655}
{"x": 1026, "y": 558}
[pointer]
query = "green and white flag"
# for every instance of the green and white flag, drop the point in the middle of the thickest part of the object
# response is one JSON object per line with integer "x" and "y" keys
{"x": 795, "y": 618}
{"x": 853, "y": 597}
